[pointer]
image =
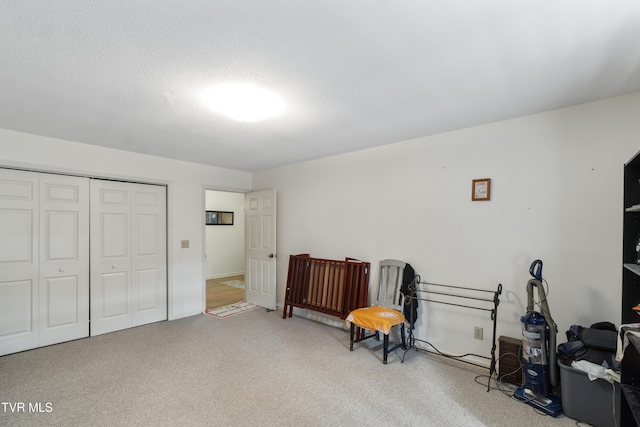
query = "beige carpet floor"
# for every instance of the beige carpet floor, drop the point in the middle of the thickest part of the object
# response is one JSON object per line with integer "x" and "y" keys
{"x": 248, "y": 370}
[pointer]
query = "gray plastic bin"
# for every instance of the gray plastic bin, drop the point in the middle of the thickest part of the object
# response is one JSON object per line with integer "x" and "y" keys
{"x": 588, "y": 401}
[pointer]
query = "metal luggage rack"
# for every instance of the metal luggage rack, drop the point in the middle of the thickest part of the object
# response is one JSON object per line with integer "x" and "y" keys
{"x": 416, "y": 292}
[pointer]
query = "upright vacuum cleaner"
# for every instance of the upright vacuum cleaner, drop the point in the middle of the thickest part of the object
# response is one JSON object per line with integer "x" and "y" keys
{"x": 539, "y": 350}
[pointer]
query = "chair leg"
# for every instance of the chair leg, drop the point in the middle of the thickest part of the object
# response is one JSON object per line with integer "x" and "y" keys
{"x": 386, "y": 348}
{"x": 351, "y": 337}
{"x": 404, "y": 342}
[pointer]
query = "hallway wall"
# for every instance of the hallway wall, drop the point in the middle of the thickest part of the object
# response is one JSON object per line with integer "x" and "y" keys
{"x": 225, "y": 243}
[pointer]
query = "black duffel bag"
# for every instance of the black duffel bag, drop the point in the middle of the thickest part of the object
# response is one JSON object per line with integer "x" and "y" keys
{"x": 596, "y": 344}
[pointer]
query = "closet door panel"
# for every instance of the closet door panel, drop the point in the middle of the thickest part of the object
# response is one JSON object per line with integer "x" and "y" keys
{"x": 149, "y": 254}
{"x": 64, "y": 258}
{"x": 110, "y": 256}
{"x": 61, "y": 302}
{"x": 18, "y": 260}
{"x": 18, "y": 316}
{"x": 114, "y": 296}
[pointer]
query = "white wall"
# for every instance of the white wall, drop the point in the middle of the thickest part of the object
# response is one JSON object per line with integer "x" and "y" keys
{"x": 556, "y": 195}
{"x": 225, "y": 243}
{"x": 185, "y": 182}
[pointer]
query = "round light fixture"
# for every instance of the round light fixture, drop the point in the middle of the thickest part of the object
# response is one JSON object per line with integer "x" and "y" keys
{"x": 242, "y": 102}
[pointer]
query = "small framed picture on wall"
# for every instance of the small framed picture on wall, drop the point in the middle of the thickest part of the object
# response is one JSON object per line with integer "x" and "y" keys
{"x": 481, "y": 189}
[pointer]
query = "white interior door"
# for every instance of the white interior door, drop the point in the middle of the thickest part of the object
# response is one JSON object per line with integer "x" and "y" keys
{"x": 260, "y": 248}
{"x": 19, "y": 215}
{"x": 110, "y": 256}
{"x": 64, "y": 258}
{"x": 149, "y": 254}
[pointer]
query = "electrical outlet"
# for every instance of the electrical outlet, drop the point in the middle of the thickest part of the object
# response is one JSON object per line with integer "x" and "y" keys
{"x": 184, "y": 244}
{"x": 477, "y": 332}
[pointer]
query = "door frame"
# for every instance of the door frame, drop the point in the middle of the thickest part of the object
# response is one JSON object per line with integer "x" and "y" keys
{"x": 203, "y": 208}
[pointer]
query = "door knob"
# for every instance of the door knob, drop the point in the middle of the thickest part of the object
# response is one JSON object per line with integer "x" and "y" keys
{"x": 60, "y": 269}
{"x": 113, "y": 266}
{"x": 272, "y": 255}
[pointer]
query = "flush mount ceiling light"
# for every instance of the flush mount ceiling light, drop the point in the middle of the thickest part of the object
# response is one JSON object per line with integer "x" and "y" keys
{"x": 242, "y": 102}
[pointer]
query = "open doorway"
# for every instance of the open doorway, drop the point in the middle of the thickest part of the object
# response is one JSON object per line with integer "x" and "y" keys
{"x": 224, "y": 249}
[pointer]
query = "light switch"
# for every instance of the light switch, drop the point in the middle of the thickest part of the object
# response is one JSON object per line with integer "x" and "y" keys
{"x": 184, "y": 244}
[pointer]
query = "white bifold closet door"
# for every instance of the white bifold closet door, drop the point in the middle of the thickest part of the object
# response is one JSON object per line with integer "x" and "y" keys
{"x": 128, "y": 255}
{"x": 44, "y": 259}
{"x": 64, "y": 258}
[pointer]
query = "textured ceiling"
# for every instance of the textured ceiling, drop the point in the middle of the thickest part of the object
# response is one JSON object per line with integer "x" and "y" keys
{"x": 354, "y": 74}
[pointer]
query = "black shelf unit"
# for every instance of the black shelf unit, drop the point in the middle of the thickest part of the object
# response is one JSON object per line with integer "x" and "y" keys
{"x": 630, "y": 384}
{"x": 630, "y": 236}
{"x": 630, "y": 365}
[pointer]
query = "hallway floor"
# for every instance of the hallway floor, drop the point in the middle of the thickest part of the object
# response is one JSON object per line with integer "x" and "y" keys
{"x": 219, "y": 295}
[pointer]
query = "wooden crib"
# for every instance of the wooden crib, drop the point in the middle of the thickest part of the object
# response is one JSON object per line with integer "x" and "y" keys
{"x": 326, "y": 286}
